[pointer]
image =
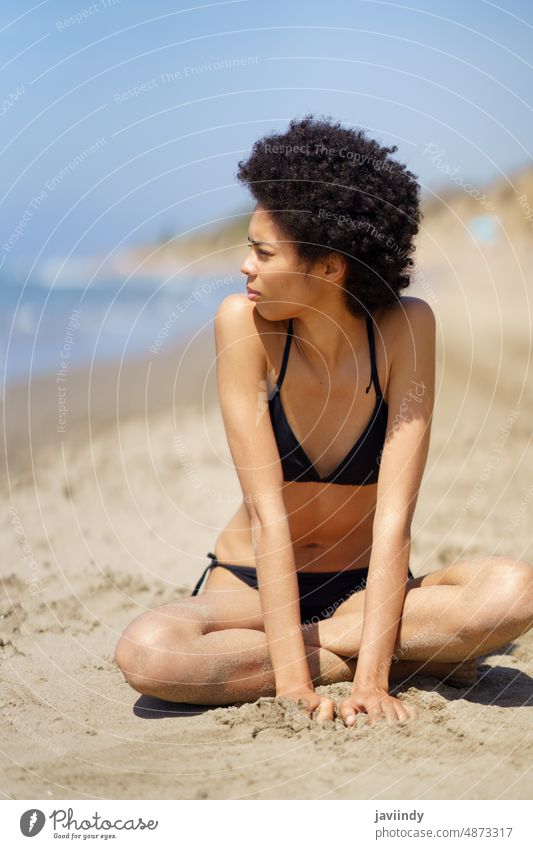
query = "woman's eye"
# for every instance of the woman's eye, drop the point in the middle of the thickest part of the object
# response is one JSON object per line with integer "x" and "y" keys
{"x": 258, "y": 251}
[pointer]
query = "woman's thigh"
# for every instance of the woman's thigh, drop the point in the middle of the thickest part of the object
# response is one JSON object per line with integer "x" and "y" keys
{"x": 356, "y": 602}
{"x": 213, "y": 609}
{"x": 230, "y": 603}
{"x": 469, "y": 574}
{"x": 227, "y": 602}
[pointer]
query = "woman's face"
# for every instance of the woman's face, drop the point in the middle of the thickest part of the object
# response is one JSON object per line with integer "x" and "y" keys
{"x": 274, "y": 269}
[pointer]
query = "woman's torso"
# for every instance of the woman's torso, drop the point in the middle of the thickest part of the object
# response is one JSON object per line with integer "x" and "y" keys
{"x": 330, "y": 524}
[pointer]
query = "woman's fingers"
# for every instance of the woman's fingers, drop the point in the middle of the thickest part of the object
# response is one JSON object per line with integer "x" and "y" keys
{"x": 375, "y": 713}
{"x": 325, "y": 711}
{"x": 322, "y": 709}
{"x": 394, "y": 711}
{"x": 348, "y": 711}
{"x": 391, "y": 711}
{"x": 410, "y": 710}
{"x": 319, "y": 708}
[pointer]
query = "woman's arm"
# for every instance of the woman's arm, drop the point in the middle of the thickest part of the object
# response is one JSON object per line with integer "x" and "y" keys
{"x": 280, "y": 604}
{"x": 410, "y": 405}
{"x": 242, "y": 389}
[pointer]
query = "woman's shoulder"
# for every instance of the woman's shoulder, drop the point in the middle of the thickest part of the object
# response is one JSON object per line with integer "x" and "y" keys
{"x": 404, "y": 330}
{"x": 408, "y": 318}
{"x": 246, "y": 312}
{"x": 240, "y": 314}
{"x": 407, "y": 308}
{"x": 404, "y": 312}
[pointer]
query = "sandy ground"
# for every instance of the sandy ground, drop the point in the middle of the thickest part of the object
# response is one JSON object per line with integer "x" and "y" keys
{"x": 116, "y": 515}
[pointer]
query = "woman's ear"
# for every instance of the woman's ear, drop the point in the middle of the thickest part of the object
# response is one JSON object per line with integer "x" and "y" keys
{"x": 335, "y": 267}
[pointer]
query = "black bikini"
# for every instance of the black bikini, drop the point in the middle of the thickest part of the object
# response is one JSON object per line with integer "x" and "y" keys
{"x": 361, "y": 464}
{"x": 322, "y": 592}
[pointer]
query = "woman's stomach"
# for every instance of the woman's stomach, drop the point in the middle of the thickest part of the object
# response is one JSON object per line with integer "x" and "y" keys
{"x": 330, "y": 528}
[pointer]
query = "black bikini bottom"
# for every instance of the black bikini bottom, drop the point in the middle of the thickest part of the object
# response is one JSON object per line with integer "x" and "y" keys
{"x": 320, "y": 592}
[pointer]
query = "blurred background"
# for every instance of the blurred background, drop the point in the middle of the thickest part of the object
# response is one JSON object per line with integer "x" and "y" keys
{"x": 122, "y": 125}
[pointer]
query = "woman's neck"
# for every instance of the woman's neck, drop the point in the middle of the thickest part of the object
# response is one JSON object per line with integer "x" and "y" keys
{"x": 328, "y": 339}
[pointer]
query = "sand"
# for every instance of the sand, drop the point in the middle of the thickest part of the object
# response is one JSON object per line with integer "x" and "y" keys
{"x": 116, "y": 516}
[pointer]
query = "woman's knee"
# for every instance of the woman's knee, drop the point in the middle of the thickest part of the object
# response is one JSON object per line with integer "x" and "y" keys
{"x": 503, "y": 590}
{"x": 155, "y": 643}
{"x": 515, "y": 588}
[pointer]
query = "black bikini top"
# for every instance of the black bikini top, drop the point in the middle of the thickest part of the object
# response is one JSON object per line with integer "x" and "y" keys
{"x": 361, "y": 464}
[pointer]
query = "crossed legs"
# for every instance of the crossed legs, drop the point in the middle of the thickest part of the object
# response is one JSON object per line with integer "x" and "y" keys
{"x": 211, "y": 648}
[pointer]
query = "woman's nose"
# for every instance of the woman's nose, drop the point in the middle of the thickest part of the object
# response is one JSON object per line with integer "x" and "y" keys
{"x": 248, "y": 266}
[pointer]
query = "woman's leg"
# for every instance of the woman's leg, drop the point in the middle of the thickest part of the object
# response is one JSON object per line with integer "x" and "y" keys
{"x": 211, "y": 649}
{"x": 464, "y": 610}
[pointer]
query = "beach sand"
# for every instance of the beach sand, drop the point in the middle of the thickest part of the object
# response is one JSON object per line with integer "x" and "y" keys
{"x": 116, "y": 515}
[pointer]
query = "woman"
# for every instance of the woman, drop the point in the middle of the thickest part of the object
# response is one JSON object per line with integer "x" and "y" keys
{"x": 310, "y": 581}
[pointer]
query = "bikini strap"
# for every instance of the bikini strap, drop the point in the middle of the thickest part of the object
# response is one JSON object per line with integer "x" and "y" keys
{"x": 373, "y": 367}
{"x": 214, "y": 562}
{"x": 285, "y": 356}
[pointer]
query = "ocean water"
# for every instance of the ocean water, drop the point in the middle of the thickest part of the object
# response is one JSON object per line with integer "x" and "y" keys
{"x": 44, "y": 328}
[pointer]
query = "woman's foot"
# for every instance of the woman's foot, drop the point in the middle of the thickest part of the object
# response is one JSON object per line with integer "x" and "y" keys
{"x": 463, "y": 674}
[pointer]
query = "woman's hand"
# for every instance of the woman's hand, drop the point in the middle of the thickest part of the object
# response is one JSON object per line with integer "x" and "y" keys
{"x": 322, "y": 707}
{"x": 377, "y": 703}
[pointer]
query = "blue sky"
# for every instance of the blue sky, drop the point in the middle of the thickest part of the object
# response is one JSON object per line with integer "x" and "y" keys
{"x": 167, "y": 98}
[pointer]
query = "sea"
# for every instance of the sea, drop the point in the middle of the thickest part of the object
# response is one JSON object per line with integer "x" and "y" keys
{"x": 45, "y": 327}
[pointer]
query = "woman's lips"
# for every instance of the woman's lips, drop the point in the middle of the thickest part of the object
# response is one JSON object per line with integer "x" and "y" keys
{"x": 252, "y": 294}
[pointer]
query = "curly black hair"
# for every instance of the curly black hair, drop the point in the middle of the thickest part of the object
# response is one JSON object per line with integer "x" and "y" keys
{"x": 334, "y": 189}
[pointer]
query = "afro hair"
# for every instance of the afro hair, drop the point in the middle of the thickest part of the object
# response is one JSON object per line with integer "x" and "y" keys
{"x": 334, "y": 189}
